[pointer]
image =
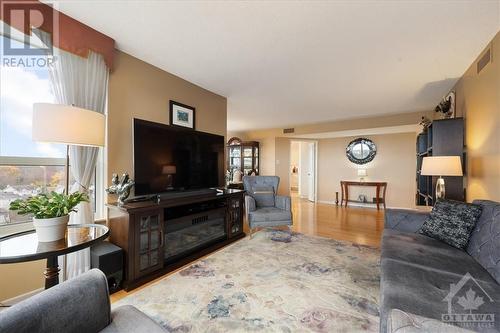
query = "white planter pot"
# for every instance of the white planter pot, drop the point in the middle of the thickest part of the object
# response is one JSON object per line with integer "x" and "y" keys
{"x": 53, "y": 229}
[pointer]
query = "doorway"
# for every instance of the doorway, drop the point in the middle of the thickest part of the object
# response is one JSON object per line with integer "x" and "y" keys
{"x": 303, "y": 169}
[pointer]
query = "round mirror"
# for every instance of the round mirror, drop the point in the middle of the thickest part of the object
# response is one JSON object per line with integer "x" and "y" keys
{"x": 361, "y": 151}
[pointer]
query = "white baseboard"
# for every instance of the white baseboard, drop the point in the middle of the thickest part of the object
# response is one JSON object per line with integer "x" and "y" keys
{"x": 22, "y": 297}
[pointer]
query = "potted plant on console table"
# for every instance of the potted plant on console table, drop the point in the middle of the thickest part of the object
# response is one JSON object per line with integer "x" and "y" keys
{"x": 50, "y": 212}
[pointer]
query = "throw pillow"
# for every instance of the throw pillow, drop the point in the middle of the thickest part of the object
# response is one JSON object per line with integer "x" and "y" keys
{"x": 451, "y": 222}
{"x": 263, "y": 195}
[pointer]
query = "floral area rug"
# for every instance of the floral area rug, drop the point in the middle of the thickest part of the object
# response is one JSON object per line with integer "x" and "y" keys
{"x": 274, "y": 282}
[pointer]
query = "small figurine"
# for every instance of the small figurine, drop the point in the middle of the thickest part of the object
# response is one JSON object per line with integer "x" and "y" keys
{"x": 121, "y": 187}
{"x": 425, "y": 123}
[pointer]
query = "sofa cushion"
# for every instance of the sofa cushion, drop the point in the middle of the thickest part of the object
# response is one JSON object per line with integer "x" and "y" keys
{"x": 431, "y": 254}
{"x": 452, "y": 222}
{"x": 263, "y": 195}
{"x": 404, "y": 322}
{"x": 484, "y": 243}
{"x": 425, "y": 292}
{"x": 269, "y": 214}
{"x": 128, "y": 318}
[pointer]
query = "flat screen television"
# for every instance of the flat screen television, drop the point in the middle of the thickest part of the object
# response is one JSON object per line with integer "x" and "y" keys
{"x": 174, "y": 159}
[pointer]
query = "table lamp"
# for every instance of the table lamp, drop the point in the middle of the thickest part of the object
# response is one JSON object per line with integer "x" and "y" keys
{"x": 69, "y": 125}
{"x": 362, "y": 174}
{"x": 441, "y": 166}
{"x": 169, "y": 170}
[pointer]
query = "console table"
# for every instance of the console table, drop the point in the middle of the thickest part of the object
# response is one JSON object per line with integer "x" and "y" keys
{"x": 380, "y": 187}
{"x": 160, "y": 236}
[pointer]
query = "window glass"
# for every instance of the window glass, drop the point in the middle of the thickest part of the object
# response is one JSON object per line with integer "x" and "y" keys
{"x": 27, "y": 168}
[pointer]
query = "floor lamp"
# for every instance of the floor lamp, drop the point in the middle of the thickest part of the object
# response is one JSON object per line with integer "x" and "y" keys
{"x": 69, "y": 125}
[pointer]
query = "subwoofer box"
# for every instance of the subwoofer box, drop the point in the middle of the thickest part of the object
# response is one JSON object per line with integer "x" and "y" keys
{"x": 108, "y": 258}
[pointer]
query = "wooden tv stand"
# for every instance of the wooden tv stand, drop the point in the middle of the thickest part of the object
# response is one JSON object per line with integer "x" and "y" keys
{"x": 151, "y": 233}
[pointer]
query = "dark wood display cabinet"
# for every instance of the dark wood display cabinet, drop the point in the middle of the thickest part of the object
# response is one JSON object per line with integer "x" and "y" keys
{"x": 444, "y": 137}
{"x": 242, "y": 156}
{"x": 161, "y": 236}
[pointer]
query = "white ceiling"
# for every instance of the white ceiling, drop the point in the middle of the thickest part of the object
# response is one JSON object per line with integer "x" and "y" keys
{"x": 283, "y": 63}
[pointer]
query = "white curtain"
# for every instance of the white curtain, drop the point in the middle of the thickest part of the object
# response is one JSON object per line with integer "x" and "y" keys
{"x": 82, "y": 82}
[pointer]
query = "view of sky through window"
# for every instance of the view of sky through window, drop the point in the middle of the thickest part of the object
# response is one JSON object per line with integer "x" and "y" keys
{"x": 20, "y": 87}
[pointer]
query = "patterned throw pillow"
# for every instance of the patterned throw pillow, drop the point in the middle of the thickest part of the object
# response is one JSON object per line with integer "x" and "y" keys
{"x": 263, "y": 195}
{"x": 452, "y": 222}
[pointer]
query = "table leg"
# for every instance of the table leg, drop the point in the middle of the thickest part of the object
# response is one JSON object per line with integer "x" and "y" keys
{"x": 346, "y": 194}
{"x": 51, "y": 272}
{"x": 378, "y": 197}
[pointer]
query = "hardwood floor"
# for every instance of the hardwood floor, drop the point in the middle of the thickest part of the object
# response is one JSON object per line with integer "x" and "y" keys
{"x": 354, "y": 224}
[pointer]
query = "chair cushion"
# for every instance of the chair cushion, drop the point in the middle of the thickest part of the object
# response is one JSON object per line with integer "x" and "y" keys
{"x": 484, "y": 243}
{"x": 452, "y": 222}
{"x": 269, "y": 214}
{"x": 263, "y": 195}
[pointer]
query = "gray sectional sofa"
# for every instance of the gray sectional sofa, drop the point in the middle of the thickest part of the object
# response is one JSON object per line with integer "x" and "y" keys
{"x": 79, "y": 305}
{"x": 425, "y": 282}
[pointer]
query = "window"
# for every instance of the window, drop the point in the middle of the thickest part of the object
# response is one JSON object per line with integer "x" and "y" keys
{"x": 28, "y": 168}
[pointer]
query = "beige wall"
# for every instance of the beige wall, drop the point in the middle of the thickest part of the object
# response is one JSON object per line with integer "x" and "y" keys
{"x": 394, "y": 164}
{"x": 136, "y": 89}
{"x": 478, "y": 100}
{"x": 140, "y": 90}
{"x": 275, "y": 155}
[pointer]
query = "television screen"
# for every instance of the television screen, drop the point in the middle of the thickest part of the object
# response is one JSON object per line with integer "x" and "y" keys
{"x": 168, "y": 158}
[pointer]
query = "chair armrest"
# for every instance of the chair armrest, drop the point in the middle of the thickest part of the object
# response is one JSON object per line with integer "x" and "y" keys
{"x": 404, "y": 219}
{"x": 249, "y": 204}
{"x": 283, "y": 202}
{"x": 77, "y": 305}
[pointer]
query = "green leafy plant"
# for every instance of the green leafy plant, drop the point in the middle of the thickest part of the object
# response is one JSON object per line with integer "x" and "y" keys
{"x": 45, "y": 206}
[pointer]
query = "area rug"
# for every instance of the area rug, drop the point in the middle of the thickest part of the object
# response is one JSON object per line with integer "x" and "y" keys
{"x": 274, "y": 282}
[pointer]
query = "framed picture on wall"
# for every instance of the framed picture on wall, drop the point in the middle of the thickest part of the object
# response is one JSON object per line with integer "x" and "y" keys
{"x": 182, "y": 115}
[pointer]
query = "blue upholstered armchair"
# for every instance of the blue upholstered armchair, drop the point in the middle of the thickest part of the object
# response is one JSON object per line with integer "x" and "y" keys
{"x": 262, "y": 206}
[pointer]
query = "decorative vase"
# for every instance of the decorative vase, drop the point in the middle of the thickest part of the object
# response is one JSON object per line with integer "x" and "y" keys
{"x": 52, "y": 229}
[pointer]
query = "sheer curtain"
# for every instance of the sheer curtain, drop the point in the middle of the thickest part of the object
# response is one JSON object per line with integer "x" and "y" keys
{"x": 82, "y": 82}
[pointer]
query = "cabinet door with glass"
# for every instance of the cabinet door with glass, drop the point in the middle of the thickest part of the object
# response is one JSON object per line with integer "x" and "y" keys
{"x": 149, "y": 242}
{"x": 242, "y": 156}
{"x": 235, "y": 215}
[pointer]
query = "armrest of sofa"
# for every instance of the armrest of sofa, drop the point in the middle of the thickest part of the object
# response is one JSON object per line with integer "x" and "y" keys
{"x": 404, "y": 219}
{"x": 283, "y": 202}
{"x": 77, "y": 305}
{"x": 404, "y": 322}
{"x": 249, "y": 204}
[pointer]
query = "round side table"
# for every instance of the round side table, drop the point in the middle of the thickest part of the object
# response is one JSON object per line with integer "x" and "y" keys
{"x": 24, "y": 246}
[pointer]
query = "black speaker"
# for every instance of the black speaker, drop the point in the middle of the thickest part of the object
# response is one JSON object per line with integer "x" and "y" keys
{"x": 108, "y": 258}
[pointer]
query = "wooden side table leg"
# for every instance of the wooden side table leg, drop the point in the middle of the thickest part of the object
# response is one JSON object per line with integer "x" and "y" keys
{"x": 378, "y": 197}
{"x": 346, "y": 194}
{"x": 51, "y": 272}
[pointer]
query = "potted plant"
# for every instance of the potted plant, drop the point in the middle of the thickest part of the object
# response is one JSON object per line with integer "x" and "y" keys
{"x": 50, "y": 212}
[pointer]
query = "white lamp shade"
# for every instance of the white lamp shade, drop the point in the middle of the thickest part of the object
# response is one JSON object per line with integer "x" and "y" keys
{"x": 441, "y": 166}
{"x": 362, "y": 172}
{"x": 56, "y": 123}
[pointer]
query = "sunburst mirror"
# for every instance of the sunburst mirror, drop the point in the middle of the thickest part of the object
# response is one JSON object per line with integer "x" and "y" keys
{"x": 361, "y": 151}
